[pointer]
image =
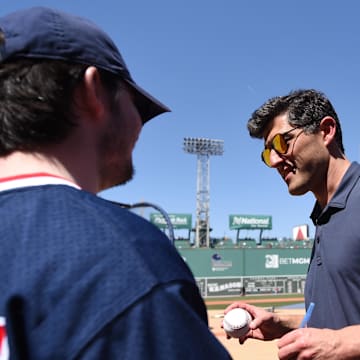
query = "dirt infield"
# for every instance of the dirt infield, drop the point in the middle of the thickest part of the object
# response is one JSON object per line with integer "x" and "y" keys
{"x": 252, "y": 349}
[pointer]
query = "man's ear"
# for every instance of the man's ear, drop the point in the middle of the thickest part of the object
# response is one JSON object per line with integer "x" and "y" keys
{"x": 328, "y": 129}
{"x": 90, "y": 96}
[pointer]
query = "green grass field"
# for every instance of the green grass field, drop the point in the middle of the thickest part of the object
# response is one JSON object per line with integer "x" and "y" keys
{"x": 258, "y": 300}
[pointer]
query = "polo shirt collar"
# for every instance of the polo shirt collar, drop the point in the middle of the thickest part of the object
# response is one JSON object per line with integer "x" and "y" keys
{"x": 341, "y": 195}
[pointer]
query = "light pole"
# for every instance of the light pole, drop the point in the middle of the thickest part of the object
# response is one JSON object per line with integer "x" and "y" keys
{"x": 203, "y": 148}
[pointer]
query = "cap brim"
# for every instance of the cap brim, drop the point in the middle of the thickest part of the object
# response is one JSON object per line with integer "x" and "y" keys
{"x": 147, "y": 106}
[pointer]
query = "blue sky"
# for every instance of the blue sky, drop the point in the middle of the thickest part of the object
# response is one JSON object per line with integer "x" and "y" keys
{"x": 213, "y": 63}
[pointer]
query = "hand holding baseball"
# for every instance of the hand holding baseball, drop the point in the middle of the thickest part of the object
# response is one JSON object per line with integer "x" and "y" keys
{"x": 236, "y": 322}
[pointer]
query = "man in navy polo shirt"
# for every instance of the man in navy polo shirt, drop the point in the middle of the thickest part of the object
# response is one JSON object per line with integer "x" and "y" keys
{"x": 79, "y": 275}
{"x": 303, "y": 142}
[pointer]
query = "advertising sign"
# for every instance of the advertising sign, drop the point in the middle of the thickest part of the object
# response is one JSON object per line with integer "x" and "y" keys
{"x": 178, "y": 221}
{"x": 250, "y": 222}
{"x": 301, "y": 232}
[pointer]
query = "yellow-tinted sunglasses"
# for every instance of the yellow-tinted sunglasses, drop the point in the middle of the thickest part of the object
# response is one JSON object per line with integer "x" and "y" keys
{"x": 279, "y": 144}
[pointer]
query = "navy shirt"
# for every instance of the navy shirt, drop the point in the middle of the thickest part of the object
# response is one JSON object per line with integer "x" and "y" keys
{"x": 82, "y": 278}
{"x": 333, "y": 280}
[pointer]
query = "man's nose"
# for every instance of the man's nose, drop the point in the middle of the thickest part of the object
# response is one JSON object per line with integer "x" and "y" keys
{"x": 275, "y": 158}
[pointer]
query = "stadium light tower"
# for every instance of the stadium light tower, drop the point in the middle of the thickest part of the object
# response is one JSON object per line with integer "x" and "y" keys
{"x": 203, "y": 148}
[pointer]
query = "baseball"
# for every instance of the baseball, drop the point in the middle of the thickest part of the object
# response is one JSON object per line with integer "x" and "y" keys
{"x": 236, "y": 322}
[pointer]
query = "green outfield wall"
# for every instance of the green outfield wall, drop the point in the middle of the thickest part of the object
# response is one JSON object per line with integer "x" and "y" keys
{"x": 229, "y": 272}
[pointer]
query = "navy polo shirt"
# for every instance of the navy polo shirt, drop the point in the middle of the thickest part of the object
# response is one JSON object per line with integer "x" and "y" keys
{"x": 333, "y": 281}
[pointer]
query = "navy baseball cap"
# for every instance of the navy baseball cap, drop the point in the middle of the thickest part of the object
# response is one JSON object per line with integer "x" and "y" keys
{"x": 44, "y": 33}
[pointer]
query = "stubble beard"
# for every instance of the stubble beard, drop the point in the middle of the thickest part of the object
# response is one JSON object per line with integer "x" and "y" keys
{"x": 116, "y": 174}
{"x": 115, "y": 168}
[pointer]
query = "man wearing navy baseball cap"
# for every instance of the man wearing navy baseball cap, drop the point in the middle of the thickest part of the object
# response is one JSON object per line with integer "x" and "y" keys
{"x": 77, "y": 281}
{"x": 40, "y": 33}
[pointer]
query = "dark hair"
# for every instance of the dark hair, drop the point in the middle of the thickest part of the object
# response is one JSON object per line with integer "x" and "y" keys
{"x": 36, "y": 102}
{"x": 305, "y": 109}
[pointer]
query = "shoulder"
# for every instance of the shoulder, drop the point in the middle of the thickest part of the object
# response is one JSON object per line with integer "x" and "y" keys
{"x": 80, "y": 210}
